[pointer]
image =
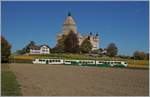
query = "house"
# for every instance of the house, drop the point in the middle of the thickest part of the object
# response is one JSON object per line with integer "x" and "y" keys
{"x": 43, "y": 49}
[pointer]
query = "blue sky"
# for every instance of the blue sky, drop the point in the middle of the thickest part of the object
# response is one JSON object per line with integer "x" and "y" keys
{"x": 124, "y": 23}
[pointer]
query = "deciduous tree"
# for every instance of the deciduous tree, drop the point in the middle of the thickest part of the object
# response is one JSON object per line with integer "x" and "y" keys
{"x": 71, "y": 43}
{"x": 86, "y": 46}
{"x": 5, "y": 50}
{"x": 139, "y": 55}
{"x": 27, "y": 47}
{"x": 112, "y": 50}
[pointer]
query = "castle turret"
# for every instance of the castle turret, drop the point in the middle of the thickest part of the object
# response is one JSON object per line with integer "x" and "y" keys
{"x": 97, "y": 34}
{"x": 90, "y": 33}
{"x": 97, "y": 40}
{"x": 69, "y": 25}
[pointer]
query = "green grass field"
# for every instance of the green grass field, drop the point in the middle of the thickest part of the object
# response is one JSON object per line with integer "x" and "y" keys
{"x": 9, "y": 84}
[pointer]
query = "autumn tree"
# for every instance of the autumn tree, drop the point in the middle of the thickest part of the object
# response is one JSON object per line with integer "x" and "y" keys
{"x": 60, "y": 46}
{"x": 71, "y": 43}
{"x": 139, "y": 55}
{"x": 112, "y": 50}
{"x": 5, "y": 50}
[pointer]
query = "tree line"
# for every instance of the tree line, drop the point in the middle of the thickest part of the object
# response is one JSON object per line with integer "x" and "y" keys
{"x": 70, "y": 44}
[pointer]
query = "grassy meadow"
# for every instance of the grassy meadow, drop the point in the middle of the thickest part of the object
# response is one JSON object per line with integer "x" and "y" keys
{"x": 9, "y": 84}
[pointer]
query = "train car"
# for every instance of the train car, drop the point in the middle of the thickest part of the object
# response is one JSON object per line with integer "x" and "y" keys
{"x": 103, "y": 64}
{"x": 111, "y": 63}
{"x": 40, "y": 61}
{"x": 71, "y": 62}
{"x": 55, "y": 61}
{"x": 120, "y": 64}
{"x": 87, "y": 62}
{"x": 47, "y": 61}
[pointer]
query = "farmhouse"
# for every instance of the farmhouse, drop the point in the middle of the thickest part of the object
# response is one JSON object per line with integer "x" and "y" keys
{"x": 43, "y": 49}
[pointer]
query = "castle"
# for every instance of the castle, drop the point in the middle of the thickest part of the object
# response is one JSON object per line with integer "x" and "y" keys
{"x": 70, "y": 25}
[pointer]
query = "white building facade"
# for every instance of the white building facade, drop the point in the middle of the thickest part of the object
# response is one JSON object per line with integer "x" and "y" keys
{"x": 43, "y": 49}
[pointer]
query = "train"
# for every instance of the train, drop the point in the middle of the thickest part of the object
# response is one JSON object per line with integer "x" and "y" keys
{"x": 99, "y": 63}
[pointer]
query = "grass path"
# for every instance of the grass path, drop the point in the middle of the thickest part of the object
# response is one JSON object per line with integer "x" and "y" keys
{"x": 9, "y": 84}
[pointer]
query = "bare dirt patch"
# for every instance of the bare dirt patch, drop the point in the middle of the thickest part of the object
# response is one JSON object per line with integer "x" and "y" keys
{"x": 60, "y": 80}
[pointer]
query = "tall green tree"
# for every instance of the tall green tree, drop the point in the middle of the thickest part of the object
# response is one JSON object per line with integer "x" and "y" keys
{"x": 5, "y": 50}
{"x": 86, "y": 46}
{"x": 71, "y": 43}
{"x": 27, "y": 47}
{"x": 112, "y": 50}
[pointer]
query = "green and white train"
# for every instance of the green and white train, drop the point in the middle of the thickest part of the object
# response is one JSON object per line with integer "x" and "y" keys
{"x": 82, "y": 62}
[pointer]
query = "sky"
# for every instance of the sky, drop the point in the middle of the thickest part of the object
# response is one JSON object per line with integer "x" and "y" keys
{"x": 124, "y": 23}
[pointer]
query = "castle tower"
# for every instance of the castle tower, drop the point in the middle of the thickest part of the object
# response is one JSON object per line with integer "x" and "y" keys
{"x": 94, "y": 41}
{"x": 97, "y": 40}
{"x": 69, "y": 25}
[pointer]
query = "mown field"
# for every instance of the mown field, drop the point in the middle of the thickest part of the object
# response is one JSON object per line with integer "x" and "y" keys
{"x": 9, "y": 84}
{"x": 28, "y": 59}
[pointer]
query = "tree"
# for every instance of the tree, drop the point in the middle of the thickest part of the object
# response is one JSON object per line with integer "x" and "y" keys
{"x": 60, "y": 47}
{"x": 112, "y": 50}
{"x": 5, "y": 50}
{"x": 147, "y": 56}
{"x": 71, "y": 43}
{"x": 86, "y": 46}
{"x": 138, "y": 55}
{"x": 57, "y": 50}
{"x": 20, "y": 52}
{"x": 27, "y": 47}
